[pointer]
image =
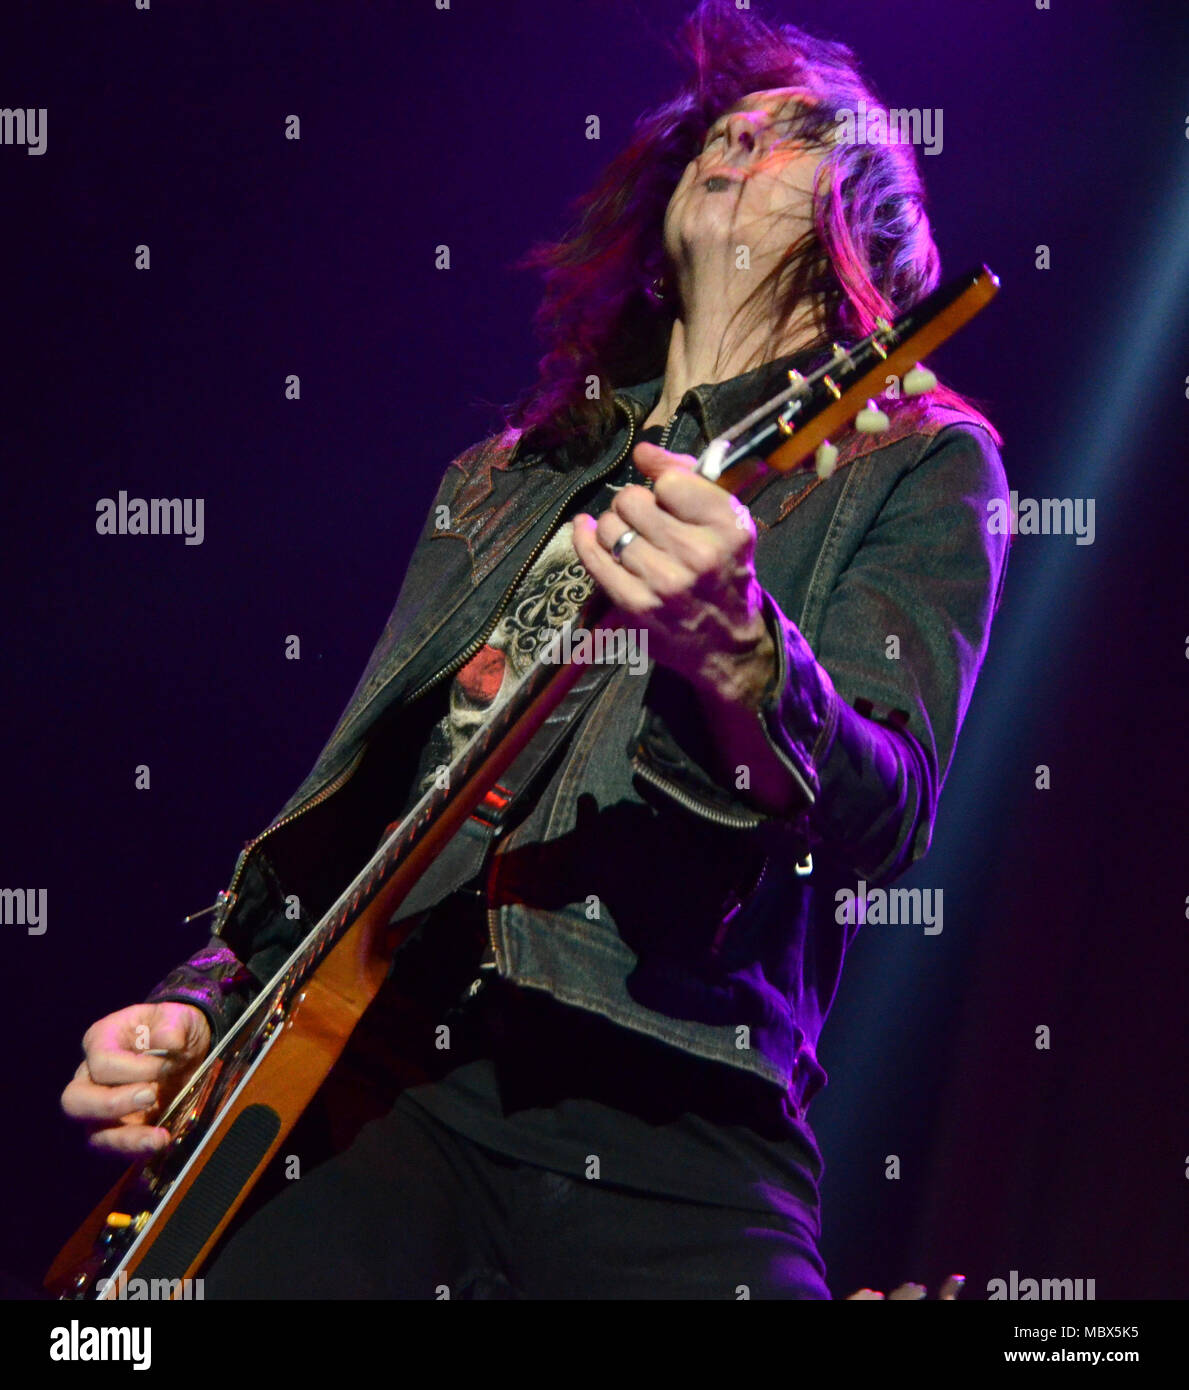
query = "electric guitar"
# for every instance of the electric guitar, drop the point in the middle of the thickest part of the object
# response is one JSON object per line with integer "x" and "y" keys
{"x": 161, "y": 1219}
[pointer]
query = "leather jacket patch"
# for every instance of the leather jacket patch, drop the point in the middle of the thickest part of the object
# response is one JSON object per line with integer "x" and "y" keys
{"x": 484, "y": 502}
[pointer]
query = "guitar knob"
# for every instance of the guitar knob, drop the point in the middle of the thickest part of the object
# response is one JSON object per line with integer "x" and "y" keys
{"x": 826, "y": 459}
{"x": 918, "y": 380}
{"x": 871, "y": 420}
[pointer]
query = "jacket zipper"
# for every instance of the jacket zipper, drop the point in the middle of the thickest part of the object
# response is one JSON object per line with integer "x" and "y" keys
{"x": 735, "y": 904}
{"x": 493, "y": 922}
{"x": 740, "y": 820}
{"x": 225, "y": 902}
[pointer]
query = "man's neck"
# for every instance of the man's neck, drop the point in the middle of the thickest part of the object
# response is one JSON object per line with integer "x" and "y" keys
{"x": 700, "y": 354}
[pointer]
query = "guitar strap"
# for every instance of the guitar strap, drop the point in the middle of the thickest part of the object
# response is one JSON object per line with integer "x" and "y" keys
{"x": 465, "y": 855}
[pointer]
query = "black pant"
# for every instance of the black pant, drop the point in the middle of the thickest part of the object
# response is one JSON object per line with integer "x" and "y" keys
{"x": 412, "y": 1210}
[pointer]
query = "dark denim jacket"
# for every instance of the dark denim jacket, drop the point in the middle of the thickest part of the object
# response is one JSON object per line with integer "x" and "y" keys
{"x": 713, "y": 925}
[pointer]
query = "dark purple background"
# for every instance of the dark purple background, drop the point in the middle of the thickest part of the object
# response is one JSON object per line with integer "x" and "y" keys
{"x": 1064, "y": 907}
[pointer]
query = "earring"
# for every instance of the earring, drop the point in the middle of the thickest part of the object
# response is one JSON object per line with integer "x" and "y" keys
{"x": 656, "y": 291}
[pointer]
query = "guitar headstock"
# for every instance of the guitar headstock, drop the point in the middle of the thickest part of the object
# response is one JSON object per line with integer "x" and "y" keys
{"x": 785, "y": 431}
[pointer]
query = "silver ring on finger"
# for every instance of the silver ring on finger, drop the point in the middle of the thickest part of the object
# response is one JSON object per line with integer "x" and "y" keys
{"x": 622, "y": 544}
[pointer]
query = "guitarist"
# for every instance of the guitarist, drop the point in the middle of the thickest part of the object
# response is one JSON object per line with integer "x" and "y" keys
{"x": 617, "y": 981}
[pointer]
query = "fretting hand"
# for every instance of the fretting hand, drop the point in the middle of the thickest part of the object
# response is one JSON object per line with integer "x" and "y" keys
{"x": 687, "y": 577}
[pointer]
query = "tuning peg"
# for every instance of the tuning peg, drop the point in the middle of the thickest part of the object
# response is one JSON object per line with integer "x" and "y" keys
{"x": 826, "y": 459}
{"x": 918, "y": 380}
{"x": 871, "y": 420}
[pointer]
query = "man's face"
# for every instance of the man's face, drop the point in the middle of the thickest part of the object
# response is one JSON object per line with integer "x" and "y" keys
{"x": 751, "y": 185}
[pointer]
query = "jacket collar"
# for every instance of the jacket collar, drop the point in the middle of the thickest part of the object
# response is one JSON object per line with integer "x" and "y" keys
{"x": 719, "y": 405}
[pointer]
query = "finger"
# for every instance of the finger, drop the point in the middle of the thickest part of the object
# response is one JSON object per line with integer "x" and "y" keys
{"x": 696, "y": 500}
{"x": 697, "y": 548}
{"x": 625, "y": 591}
{"x": 863, "y": 1296}
{"x": 952, "y": 1287}
{"x": 145, "y": 1027}
{"x": 652, "y": 460}
{"x": 170, "y": 1034}
{"x": 662, "y": 573}
{"x": 130, "y": 1140}
{"x": 84, "y": 1099}
{"x": 907, "y": 1292}
{"x": 700, "y": 503}
{"x": 116, "y": 1066}
{"x": 131, "y": 1048}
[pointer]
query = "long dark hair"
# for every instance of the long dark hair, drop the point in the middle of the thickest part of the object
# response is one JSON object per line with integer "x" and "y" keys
{"x": 871, "y": 251}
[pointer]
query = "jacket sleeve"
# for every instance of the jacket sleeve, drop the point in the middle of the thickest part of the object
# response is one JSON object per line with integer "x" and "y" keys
{"x": 214, "y": 980}
{"x": 866, "y": 730}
